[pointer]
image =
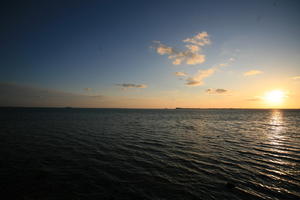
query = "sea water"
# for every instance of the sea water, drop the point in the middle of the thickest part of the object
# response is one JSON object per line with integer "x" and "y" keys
{"x": 57, "y": 153}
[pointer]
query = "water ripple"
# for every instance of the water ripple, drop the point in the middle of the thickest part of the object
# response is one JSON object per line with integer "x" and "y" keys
{"x": 150, "y": 154}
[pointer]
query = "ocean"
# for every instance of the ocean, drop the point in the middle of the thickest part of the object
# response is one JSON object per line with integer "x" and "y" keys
{"x": 70, "y": 153}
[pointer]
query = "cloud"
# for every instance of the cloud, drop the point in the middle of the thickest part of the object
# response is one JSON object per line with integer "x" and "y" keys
{"x": 131, "y": 85}
{"x": 217, "y": 91}
{"x": 197, "y": 80}
{"x": 252, "y": 72}
{"x": 254, "y": 99}
{"x": 193, "y": 48}
{"x": 163, "y": 49}
{"x": 21, "y": 95}
{"x": 225, "y": 63}
{"x": 191, "y": 56}
{"x": 296, "y": 78}
{"x": 201, "y": 39}
{"x": 180, "y": 74}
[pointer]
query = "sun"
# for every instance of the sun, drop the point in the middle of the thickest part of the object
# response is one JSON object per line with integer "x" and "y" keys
{"x": 274, "y": 97}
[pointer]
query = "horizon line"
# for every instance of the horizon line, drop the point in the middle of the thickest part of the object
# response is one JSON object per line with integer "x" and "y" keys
{"x": 173, "y": 108}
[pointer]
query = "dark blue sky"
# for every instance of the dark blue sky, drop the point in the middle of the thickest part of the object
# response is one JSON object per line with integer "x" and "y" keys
{"x": 71, "y": 45}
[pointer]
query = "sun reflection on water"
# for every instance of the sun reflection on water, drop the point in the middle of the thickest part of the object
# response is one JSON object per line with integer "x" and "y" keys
{"x": 276, "y": 121}
{"x": 276, "y": 136}
{"x": 277, "y": 146}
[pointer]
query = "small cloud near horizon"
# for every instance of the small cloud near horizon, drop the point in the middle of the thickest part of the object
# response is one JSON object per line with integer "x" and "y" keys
{"x": 216, "y": 91}
{"x": 252, "y": 72}
{"x": 254, "y": 99}
{"x": 131, "y": 85}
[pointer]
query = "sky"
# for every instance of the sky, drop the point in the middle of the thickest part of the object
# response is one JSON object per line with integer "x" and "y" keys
{"x": 150, "y": 54}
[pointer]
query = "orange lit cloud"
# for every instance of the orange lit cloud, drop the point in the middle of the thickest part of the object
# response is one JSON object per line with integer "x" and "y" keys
{"x": 180, "y": 74}
{"x": 252, "y": 72}
{"x": 191, "y": 56}
{"x": 163, "y": 49}
{"x": 201, "y": 39}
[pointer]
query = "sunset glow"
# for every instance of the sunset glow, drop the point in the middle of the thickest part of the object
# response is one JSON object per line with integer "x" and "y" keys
{"x": 274, "y": 97}
{"x": 151, "y": 54}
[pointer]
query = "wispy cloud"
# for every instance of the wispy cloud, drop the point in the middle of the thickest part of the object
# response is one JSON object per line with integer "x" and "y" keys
{"x": 198, "y": 79}
{"x": 252, "y": 72}
{"x": 254, "y": 99}
{"x": 191, "y": 56}
{"x": 217, "y": 91}
{"x": 295, "y": 77}
{"x": 226, "y": 63}
{"x": 180, "y": 74}
{"x": 131, "y": 85}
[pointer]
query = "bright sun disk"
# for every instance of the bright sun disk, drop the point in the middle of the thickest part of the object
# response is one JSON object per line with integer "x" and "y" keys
{"x": 274, "y": 97}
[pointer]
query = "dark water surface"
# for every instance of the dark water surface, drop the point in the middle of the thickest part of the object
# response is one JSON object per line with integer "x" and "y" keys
{"x": 149, "y": 154}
